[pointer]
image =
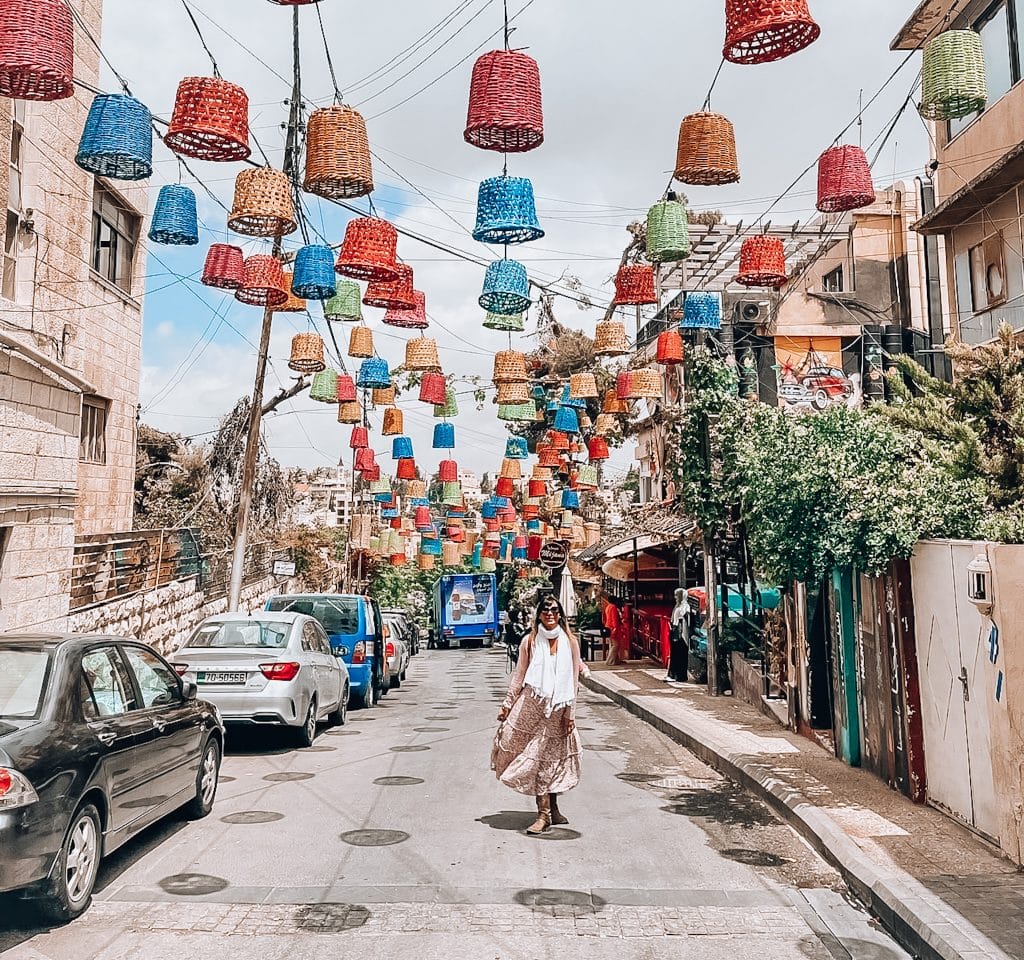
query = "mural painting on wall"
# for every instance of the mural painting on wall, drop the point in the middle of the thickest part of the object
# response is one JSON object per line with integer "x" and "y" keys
{"x": 811, "y": 376}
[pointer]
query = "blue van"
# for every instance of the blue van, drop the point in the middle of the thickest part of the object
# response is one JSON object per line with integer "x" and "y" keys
{"x": 354, "y": 626}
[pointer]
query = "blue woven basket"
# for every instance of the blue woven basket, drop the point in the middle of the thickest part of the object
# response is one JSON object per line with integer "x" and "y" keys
{"x": 532, "y": 525}
{"x": 570, "y": 500}
{"x": 118, "y": 139}
{"x": 500, "y": 503}
{"x": 401, "y": 448}
{"x": 314, "y": 277}
{"x": 506, "y": 288}
{"x": 516, "y": 448}
{"x": 538, "y": 392}
{"x": 702, "y": 311}
{"x": 389, "y": 513}
{"x": 567, "y": 420}
{"x": 431, "y": 547}
{"x": 419, "y": 502}
{"x": 374, "y": 374}
{"x": 478, "y": 554}
{"x": 444, "y": 436}
{"x": 568, "y": 400}
{"x": 488, "y": 510}
{"x": 175, "y": 222}
{"x": 506, "y": 212}
{"x": 518, "y": 553}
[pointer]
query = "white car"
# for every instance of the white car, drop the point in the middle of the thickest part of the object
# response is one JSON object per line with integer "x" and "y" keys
{"x": 397, "y": 649}
{"x": 267, "y": 668}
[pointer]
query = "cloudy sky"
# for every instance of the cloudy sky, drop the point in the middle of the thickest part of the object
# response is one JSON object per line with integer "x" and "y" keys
{"x": 616, "y": 80}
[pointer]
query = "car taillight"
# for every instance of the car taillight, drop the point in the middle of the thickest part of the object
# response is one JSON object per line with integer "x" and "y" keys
{"x": 359, "y": 652}
{"x": 279, "y": 671}
{"x": 389, "y": 650}
{"x": 180, "y": 668}
{"x": 15, "y": 790}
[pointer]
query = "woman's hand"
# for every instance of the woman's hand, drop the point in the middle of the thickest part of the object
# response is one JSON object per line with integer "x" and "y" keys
{"x": 570, "y": 724}
{"x": 503, "y": 714}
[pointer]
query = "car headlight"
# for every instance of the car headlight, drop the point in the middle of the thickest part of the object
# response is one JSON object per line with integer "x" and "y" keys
{"x": 15, "y": 790}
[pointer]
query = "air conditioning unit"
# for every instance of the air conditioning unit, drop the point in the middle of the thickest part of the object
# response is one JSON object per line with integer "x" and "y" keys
{"x": 752, "y": 311}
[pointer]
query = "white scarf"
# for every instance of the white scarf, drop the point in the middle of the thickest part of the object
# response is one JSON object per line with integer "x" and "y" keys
{"x": 551, "y": 676}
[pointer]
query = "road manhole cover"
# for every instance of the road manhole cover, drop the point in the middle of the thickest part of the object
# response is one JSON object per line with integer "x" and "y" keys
{"x": 359, "y": 719}
{"x": 288, "y": 776}
{"x": 331, "y": 917}
{"x": 252, "y": 816}
{"x": 192, "y": 884}
{"x": 548, "y": 897}
{"x": 442, "y": 718}
{"x": 684, "y": 783}
{"x": 223, "y": 779}
{"x": 319, "y": 748}
{"x": 637, "y": 777}
{"x": 347, "y": 733}
{"x": 374, "y": 838}
{"x": 600, "y": 747}
{"x": 414, "y": 748}
{"x": 752, "y": 858}
{"x": 430, "y": 729}
{"x": 398, "y": 781}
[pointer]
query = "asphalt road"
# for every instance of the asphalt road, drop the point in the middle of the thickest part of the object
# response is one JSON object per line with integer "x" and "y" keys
{"x": 390, "y": 837}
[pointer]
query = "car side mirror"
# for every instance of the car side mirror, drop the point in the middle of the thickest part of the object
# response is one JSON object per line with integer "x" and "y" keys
{"x": 189, "y": 689}
{"x": 338, "y": 652}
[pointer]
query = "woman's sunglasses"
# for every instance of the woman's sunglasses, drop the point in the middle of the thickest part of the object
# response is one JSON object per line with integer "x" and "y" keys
{"x": 549, "y": 610}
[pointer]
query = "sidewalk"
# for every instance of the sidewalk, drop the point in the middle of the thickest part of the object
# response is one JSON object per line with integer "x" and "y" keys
{"x": 943, "y": 892}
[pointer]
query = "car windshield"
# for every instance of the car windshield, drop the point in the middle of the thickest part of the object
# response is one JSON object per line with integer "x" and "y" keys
{"x": 337, "y": 615}
{"x": 241, "y": 633}
{"x": 22, "y": 682}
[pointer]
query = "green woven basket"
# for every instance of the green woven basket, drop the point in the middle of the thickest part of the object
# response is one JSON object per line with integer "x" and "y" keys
{"x": 451, "y": 493}
{"x": 346, "y": 304}
{"x": 324, "y": 387}
{"x": 515, "y": 412}
{"x": 450, "y": 407}
{"x": 514, "y": 322}
{"x": 383, "y": 485}
{"x": 953, "y": 76}
{"x": 668, "y": 233}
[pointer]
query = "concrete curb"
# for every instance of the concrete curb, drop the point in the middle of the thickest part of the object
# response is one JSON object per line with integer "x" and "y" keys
{"x": 917, "y": 919}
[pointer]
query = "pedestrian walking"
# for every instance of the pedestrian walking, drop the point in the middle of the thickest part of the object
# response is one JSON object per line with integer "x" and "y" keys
{"x": 680, "y": 639}
{"x": 537, "y": 747}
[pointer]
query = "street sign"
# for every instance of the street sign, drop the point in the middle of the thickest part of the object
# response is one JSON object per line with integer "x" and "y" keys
{"x": 553, "y": 554}
{"x": 284, "y": 568}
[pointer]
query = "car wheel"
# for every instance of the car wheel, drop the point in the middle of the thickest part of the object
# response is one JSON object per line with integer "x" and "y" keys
{"x": 206, "y": 782}
{"x": 75, "y": 870}
{"x": 821, "y": 399}
{"x": 306, "y": 734}
{"x": 396, "y": 681}
{"x": 340, "y": 713}
{"x": 366, "y": 699}
{"x": 404, "y": 672}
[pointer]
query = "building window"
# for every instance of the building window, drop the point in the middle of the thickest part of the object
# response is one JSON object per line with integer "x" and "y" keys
{"x": 832, "y": 282}
{"x": 115, "y": 234}
{"x": 92, "y": 447}
{"x": 988, "y": 273}
{"x": 16, "y": 169}
{"x": 999, "y": 27}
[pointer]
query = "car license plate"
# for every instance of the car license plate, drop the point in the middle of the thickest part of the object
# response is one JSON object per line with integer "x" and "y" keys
{"x": 207, "y": 676}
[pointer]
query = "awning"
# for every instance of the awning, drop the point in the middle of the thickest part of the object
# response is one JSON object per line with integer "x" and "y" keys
{"x": 634, "y": 545}
{"x": 650, "y": 526}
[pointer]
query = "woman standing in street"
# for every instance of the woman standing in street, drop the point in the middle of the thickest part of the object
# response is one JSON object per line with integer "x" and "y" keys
{"x": 537, "y": 749}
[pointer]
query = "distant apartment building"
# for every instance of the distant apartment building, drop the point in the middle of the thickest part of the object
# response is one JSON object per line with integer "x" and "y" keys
{"x": 327, "y": 498}
{"x": 471, "y": 490}
{"x": 70, "y": 346}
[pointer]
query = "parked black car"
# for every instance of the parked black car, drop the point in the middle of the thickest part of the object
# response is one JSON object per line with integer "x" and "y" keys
{"x": 99, "y": 738}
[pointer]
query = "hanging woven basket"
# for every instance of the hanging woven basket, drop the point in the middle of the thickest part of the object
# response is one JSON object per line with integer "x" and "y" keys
{"x": 844, "y": 180}
{"x": 359, "y": 439}
{"x": 293, "y": 304}
{"x": 338, "y": 163}
{"x": 645, "y": 384}
{"x": 401, "y": 447}
{"x": 510, "y": 367}
{"x": 210, "y": 120}
{"x": 506, "y": 211}
{"x": 263, "y": 282}
{"x": 706, "y": 155}
{"x": 384, "y": 396}
{"x": 349, "y": 412}
{"x": 567, "y": 420}
{"x": 416, "y": 489}
{"x": 372, "y": 474}
{"x": 634, "y": 285}
{"x": 451, "y": 554}
{"x": 668, "y": 232}
{"x": 702, "y": 311}
{"x": 345, "y": 304}
{"x": 606, "y": 424}
{"x": 365, "y": 458}
{"x": 505, "y": 111}
{"x": 450, "y": 407}
{"x": 511, "y": 469}
{"x": 558, "y": 438}
{"x": 612, "y": 403}
{"x": 393, "y": 422}
{"x": 623, "y": 385}
{"x": 506, "y": 288}
{"x": 517, "y": 448}
{"x": 610, "y": 339}
{"x": 36, "y": 50}
{"x": 118, "y": 139}
{"x": 517, "y": 412}
{"x": 324, "y": 388}
{"x": 373, "y": 372}
{"x": 583, "y": 386}
{"x": 448, "y": 471}
{"x": 512, "y": 392}
{"x": 368, "y": 251}
{"x": 597, "y": 449}
{"x": 175, "y": 221}
{"x": 346, "y": 388}
{"x": 444, "y": 436}
{"x": 760, "y": 31}
{"x": 513, "y": 322}
{"x": 224, "y": 267}
{"x": 406, "y": 469}
{"x": 762, "y": 262}
{"x": 314, "y": 273}
{"x": 953, "y": 82}
{"x": 263, "y": 204}
{"x": 307, "y": 354}
{"x": 421, "y": 354}
{"x": 412, "y": 319}
{"x": 505, "y": 487}
{"x": 433, "y": 388}
{"x": 397, "y": 294}
{"x": 670, "y": 348}
{"x": 360, "y": 342}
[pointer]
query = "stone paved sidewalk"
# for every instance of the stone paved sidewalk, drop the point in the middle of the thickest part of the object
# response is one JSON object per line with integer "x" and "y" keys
{"x": 944, "y": 892}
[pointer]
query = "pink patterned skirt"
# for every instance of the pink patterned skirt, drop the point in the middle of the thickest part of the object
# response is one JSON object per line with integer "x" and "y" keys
{"x": 532, "y": 753}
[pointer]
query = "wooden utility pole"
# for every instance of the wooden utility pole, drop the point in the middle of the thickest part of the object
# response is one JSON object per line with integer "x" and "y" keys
{"x": 252, "y": 445}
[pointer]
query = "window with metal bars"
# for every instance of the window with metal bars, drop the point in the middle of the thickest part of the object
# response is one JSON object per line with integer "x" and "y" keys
{"x": 92, "y": 446}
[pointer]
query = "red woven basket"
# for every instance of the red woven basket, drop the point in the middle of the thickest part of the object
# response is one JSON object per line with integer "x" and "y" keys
{"x": 263, "y": 283}
{"x": 365, "y": 460}
{"x": 360, "y": 438}
{"x": 409, "y": 319}
{"x": 371, "y": 473}
{"x": 210, "y": 120}
{"x": 634, "y": 284}
{"x": 505, "y": 487}
{"x": 762, "y": 262}
{"x": 537, "y": 488}
{"x": 406, "y": 469}
{"x": 433, "y": 388}
{"x": 844, "y": 180}
{"x": 670, "y": 347}
{"x": 36, "y": 50}
{"x": 392, "y": 294}
{"x": 448, "y": 471}
{"x": 346, "y": 389}
{"x": 368, "y": 252}
{"x": 505, "y": 112}
{"x": 558, "y": 440}
{"x": 759, "y": 31}
{"x": 225, "y": 266}
{"x": 597, "y": 448}
{"x": 623, "y": 386}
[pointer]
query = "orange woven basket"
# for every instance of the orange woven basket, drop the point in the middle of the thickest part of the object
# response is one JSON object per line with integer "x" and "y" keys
{"x": 645, "y": 384}
{"x": 368, "y": 251}
{"x": 762, "y": 262}
{"x": 394, "y": 423}
{"x": 510, "y": 391}
{"x": 338, "y": 164}
{"x": 510, "y": 367}
{"x": 349, "y": 412}
{"x": 293, "y": 304}
{"x": 613, "y": 404}
{"x": 610, "y": 339}
{"x": 263, "y": 204}
{"x": 263, "y": 282}
{"x": 307, "y": 353}
{"x": 511, "y": 469}
{"x": 383, "y": 396}
{"x": 706, "y": 155}
{"x": 360, "y": 342}
{"x": 582, "y": 386}
{"x": 421, "y": 354}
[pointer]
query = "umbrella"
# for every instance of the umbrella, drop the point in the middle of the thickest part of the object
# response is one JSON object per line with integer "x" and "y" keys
{"x": 567, "y": 594}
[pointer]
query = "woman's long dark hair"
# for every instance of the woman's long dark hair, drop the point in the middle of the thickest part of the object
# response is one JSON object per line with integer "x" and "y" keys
{"x": 550, "y": 600}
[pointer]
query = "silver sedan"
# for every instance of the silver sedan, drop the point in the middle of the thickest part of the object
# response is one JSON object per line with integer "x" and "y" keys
{"x": 267, "y": 668}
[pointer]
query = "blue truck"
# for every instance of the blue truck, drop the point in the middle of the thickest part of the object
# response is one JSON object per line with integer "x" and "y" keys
{"x": 465, "y": 610}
